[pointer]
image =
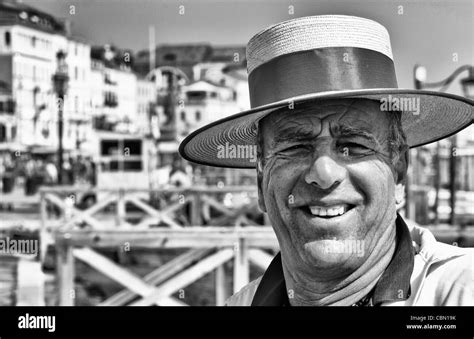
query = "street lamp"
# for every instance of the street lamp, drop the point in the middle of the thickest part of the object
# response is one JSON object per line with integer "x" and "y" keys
{"x": 60, "y": 82}
{"x": 467, "y": 85}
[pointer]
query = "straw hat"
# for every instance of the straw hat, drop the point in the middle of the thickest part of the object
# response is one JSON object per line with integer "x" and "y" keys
{"x": 318, "y": 58}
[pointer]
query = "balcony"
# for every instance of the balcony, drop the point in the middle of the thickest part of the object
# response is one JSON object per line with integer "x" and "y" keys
{"x": 110, "y": 100}
{"x": 7, "y": 107}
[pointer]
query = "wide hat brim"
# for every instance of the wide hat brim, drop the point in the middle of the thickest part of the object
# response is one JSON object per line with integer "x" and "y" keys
{"x": 440, "y": 115}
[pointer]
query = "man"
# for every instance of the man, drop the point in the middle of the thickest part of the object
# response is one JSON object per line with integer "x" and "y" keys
{"x": 332, "y": 131}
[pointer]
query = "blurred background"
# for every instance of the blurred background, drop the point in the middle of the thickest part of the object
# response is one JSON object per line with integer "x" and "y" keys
{"x": 95, "y": 97}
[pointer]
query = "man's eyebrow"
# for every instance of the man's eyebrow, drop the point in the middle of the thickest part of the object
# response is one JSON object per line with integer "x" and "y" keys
{"x": 292, "y": 134}
{"x": 304, "y": 133}
{"x": 351, "y": 131}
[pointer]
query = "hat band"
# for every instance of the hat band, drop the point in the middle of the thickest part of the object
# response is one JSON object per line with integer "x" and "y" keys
{"x": 320, "y": 70}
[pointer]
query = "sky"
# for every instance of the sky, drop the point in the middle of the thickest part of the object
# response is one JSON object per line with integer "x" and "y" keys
{"x": 436, "y": 34}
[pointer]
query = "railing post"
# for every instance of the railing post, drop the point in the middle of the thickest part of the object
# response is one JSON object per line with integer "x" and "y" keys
{"x": 44, "y": 231}
{"x": 241, "y": 265}
{"x": 221, "y": 286}
{"x": 43, "y": 210}
{"x": 196, "y": 210}
{"x": 121, "y": 210}
{"x": 65, "y": 274}
{"x": 30, "y": 283}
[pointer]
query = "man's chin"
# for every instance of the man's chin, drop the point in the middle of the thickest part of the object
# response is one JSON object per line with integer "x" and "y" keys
{"x": 329, "y": 253}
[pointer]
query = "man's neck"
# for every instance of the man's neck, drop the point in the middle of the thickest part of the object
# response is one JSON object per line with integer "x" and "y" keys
{"x": 316, "y": 290}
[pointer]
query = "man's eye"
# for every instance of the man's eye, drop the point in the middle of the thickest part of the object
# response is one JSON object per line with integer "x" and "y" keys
{"x": 352, "y": 148}
{"x": 296, "y": 148}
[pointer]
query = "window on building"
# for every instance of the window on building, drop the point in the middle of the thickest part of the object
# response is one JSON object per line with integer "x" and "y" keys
{"x": 110, "y": 99}
{"x": 126, "y": 166}
{"x": 76, "y": 73}
{"x": 76, "y": 104}
{"x": 3, "y": 133}
{"x": 183, "y": 116}
{"x": 45, "y": 130}
{"x": 196, "y": 95}
{"x": 170, "y": 57}
{"x": 10, "y": 106}
{"x": 110, "y": 150}
{"x": 133, "y": 147}
{"x": 8, "y": 38}
{"x": 33, "y": 41}
{"x": 198, "y": 116}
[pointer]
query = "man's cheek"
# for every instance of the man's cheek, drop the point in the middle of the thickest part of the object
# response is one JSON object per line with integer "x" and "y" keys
{"x": 375, "y": 174}
{"x": 279, "y": 179}
{"x": 385, "y": 165}
{"x": 273, "y": 172}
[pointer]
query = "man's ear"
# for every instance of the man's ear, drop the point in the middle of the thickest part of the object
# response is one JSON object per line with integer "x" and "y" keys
{"x": 261, "y": 199}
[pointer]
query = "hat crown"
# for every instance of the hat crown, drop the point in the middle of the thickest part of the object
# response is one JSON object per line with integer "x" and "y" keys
{"x": 313, "y": 32}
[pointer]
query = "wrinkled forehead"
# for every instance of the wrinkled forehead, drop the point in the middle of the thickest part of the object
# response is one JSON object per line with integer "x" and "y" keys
{"x": 360, "y": 113}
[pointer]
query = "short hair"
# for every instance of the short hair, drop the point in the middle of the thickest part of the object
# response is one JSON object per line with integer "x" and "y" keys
{"x": 397, "y": 139}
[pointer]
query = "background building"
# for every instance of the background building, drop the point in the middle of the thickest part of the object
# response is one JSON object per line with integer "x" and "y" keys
{"x": 29, "y": 42}
{"x": 103, "y": 91}
{"x": 78, "y": 104}
{"x": 8, "y": 126}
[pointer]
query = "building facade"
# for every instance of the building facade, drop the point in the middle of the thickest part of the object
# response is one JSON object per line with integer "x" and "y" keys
{"x": 102, "y": 93}
{"x": 28, "y": 45}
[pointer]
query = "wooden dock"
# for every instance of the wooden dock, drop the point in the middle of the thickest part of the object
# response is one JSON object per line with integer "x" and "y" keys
{"x": 209, "y": 235}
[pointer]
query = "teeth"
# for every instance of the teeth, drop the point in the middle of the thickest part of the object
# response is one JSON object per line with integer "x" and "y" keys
{"x": 328, "y": 211}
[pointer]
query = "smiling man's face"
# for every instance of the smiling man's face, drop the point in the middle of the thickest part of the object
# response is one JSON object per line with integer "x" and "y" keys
{"x": 328, "y": 183}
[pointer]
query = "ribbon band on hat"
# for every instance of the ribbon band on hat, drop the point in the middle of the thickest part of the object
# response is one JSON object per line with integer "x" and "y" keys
{"x": 320, "y": 70}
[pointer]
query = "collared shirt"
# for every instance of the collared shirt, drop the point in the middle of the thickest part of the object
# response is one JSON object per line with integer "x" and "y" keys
{"x": 393, "y": 285}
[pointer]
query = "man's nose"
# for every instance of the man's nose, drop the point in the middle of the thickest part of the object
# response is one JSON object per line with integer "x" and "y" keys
{"x": 325, "y": 173}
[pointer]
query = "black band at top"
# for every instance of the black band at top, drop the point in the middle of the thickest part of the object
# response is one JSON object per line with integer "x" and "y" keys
{"x": 320, "y": 70}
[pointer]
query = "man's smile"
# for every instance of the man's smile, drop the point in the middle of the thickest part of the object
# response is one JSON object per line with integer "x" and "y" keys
{"x": 328, "y": 215}
{"x": 329, "y": 211}
{"x": 327, "y": 208}
{"x": 333, "y": 213}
